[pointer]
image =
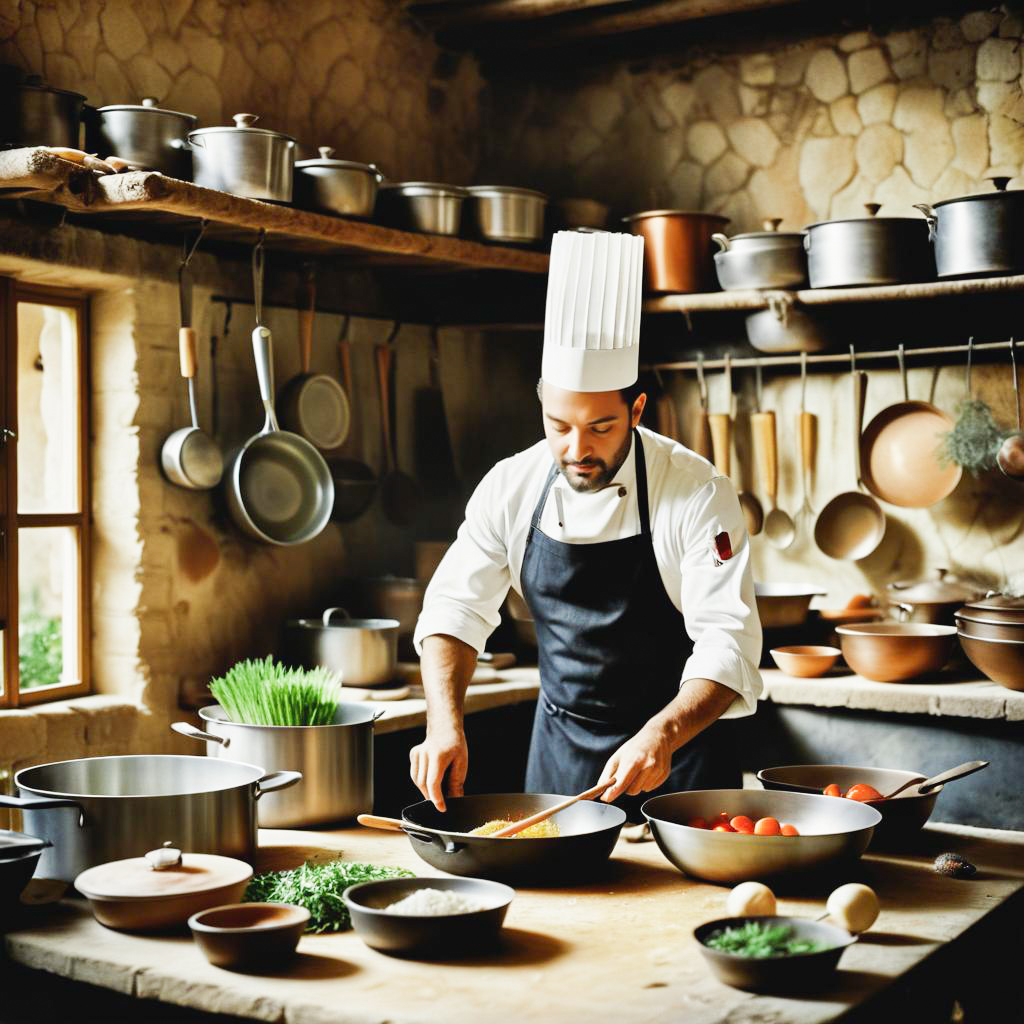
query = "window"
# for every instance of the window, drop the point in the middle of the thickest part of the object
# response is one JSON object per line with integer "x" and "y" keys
{"x": 44, "y": 496}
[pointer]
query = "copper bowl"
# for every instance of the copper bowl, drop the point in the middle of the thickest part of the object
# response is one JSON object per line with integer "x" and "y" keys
{"x": 989, "y": 629}
{"x": 1002, "y": 661}
{"x": 893, "y": 652}
{"x": 678, "y": 251}
{"x": 805, "y": 662}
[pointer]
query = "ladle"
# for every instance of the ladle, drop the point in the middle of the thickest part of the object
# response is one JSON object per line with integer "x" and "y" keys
{"x": 753, "y": 512}
{"x": 778, "y": 526}
{"x": 1011, "y": 451}
{"x": 950, "y": 775}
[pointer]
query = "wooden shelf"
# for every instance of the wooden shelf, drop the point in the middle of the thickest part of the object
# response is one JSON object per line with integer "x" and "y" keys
{"x": 148, "y": 200}
{"x": 734, "y": 301}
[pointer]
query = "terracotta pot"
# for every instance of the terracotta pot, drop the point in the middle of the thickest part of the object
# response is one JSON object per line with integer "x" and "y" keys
{"x": 249, "y": 934}
{"x": 805, "y": 662}
{"x": 893, "y": 652}
{"x": 678, "y": 250}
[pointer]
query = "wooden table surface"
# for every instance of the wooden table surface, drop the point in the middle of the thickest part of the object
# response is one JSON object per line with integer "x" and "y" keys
{"x": 621, "y": 950}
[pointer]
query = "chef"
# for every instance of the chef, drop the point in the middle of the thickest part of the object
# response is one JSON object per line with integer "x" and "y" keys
{"x": 629, "y": 550}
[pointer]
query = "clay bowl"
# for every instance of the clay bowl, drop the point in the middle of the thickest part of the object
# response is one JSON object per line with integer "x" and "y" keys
{"x": 902, "y": 816}
{"x": 249, "y": 934}
{"x": 893, "y": 652}
{"x": 1002, "y": 661}
{"x": 989, "y": 629}
{"x": 805, "y": 662}
{"x": 801, "y": 972}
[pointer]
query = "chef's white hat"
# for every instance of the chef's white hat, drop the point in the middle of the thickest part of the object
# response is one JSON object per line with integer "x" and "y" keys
{"x": 592, "y": 319}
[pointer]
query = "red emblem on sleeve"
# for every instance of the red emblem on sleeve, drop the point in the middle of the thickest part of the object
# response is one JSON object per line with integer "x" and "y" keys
{"x": 722, "y": 547}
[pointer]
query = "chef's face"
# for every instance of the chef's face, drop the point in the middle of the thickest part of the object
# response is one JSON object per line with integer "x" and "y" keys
{"x": 588, "y": 433}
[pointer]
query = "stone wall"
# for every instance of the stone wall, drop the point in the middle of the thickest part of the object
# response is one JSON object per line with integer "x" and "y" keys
{"x": 356, "y": 76}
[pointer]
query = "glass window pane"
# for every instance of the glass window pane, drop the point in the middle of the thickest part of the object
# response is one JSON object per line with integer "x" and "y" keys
{"x": 48, "y": 607}
{"x": 48, "y": 409}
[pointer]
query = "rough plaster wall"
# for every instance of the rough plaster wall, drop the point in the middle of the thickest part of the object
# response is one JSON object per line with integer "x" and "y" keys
{"x": 355, "y": 75}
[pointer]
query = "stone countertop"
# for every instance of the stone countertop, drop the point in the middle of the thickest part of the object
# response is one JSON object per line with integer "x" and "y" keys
{"x": 557, "y": 945}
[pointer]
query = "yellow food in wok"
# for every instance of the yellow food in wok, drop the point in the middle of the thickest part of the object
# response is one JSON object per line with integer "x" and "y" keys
{"x": 542, "y": 830}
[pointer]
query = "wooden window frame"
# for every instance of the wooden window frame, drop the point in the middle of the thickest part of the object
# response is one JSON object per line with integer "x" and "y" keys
{"x": 11, "y": 521}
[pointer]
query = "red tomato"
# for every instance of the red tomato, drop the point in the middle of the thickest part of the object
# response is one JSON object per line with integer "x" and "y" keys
{"x": 832, "y": 790}
{"x": 697, "y": 823}
{"x": 789, "y": 830}
{"x": 767, "y": 827}
{"x": 723, "y": 826}
{"x": 741, "y": 823}
{"x": 862, "y": 791}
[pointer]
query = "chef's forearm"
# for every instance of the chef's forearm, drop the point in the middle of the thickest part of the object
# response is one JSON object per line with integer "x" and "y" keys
{"x": 698, "y": 703}
{"x": 446, "y": 666}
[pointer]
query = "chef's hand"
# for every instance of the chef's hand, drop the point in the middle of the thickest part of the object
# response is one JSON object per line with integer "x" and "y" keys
{"x": 641, "y": 764}
{"x": 442, "y": 751}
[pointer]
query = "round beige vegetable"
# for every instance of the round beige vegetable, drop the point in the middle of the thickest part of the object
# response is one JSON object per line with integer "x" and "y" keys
{"x": 854, "y": 907}
{"x": 750, "y": 899}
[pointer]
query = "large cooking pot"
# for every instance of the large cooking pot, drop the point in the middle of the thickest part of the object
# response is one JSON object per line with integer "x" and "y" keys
{"x": 978, "y": 236}
{"x": 98, "y": 809}
{"x": 344, "y": 187}
{"x": 868, "y": 250}
{"x": 426, "y": 206}
{"x": 364, "y": 652}
{"x": 34, "y": 114}
{"x": 336, "y": 761}
{"x": 761, "y": 259}
{"x": 934, "y": 599}
{"x": 244, "y": 160}
{"x": 507, "y": 214}
{"x": 677, "y": 249}
{"x": 148, "y": 137}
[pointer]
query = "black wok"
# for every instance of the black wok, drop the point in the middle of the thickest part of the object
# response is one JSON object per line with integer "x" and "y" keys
{"x": 589, "y": 831}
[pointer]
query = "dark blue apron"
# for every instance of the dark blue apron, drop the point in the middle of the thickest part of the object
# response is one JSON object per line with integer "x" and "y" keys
{"x": 612, "y": 647}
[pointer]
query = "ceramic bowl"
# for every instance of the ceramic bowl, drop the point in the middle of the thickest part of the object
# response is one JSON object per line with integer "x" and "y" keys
{"x": 894, "y": 652}
{"x": 805, "y": 662}
{"x": 1002, "y": 661}
{"x": 249, "y": 934}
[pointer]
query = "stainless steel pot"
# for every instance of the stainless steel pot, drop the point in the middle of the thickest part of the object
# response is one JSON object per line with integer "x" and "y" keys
{"x": 781, "y": 328}
{"x": 148, "y": 137}
{"x": 761, "y": 259}
{"x": 243, "y": 160}
{"x": 421, "y": 206}
{"x": 34, "y": 114}
{"x": 507, "y": 214}
{"x": 868, "y": 250}
{"x": 386, "y": 597}
{"x": 978, "y": 236}
{"x": 364, "y": 652}
{"x": 335, "y": 762}
{"x": 344, "y": 187}
{"x": 99, "y": 809}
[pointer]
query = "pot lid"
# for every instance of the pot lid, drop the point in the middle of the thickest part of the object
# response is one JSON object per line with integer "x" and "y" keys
{"x": 770, "y": 230}
{"x": 675, "y": 213}
{"x": 942, "y": 587}
{"x": 17, "y": 844}
{"x": 999, "y": 603}
{"x": 149, "y": 105}
{"x": 328, "y": 159}
{"x": 504, "y": 190}
{"x": 36, "y": 82}
{"x": 161, "y": 874}
{"x": 872, "y": 215}
{"x": 243, "y": 123}
{"x": 1001, "y": 191}
{"x": 424, "y": 187}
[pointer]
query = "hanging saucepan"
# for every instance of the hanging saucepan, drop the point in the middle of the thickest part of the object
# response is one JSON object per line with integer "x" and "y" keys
{"x": 901, "y": 452}
{"x": 978, "y": 236}
{"x": 279, "y": 489}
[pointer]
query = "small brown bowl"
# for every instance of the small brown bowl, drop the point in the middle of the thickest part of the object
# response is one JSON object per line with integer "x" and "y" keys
{"x": 1002, "y": 661}
{"x": 249, "y": 934}
{"x": 805, "y": 662}
{"x": 894, "y": 652}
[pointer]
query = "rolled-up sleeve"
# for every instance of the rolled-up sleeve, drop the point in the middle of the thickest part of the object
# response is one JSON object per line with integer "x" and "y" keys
{"x": 466, "y": 591}
{"x": 718, "y": 596}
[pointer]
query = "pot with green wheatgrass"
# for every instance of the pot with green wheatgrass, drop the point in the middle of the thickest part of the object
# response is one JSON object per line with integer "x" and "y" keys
{"x": 286, "y": 718}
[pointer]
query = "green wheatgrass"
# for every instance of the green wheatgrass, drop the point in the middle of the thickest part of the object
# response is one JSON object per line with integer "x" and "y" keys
{"x": 267, "y": 693}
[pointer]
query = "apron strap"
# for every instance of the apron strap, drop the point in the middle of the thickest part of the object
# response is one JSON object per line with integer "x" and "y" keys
{"x": 641, "y": 485}
{"x": 539, "y": 510}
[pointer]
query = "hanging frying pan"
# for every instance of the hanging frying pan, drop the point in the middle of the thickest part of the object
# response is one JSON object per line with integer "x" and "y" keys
{"x": 900, "y": 452}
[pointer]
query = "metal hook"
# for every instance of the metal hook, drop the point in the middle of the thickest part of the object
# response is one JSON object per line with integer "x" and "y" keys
{"x": 187, "y": 252}
{"x": 901, "y": 357}
{"x": 970, "y": 353}
{"x": 702, "y": 386}
{"x": 395, "y": 328}
{"x": 758, "y": 385}
{"x": 853, "y": 360}
{"x": 728, "y": 383}
{"x": 257, "y": 277}
{"x": 803, "y": 380}
{"x": 1016, "y": 386}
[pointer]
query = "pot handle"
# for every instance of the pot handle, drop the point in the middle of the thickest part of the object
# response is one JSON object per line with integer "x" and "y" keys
{"x": 929, "y": 216}
{"x": 192, "y": 733}
{"x": 721, "y": 240}
{"x": 442, "y": 842}
{"x": 330, "y": 612}
{"x": 36, "y": 803}
{"x": 276, "y": 780}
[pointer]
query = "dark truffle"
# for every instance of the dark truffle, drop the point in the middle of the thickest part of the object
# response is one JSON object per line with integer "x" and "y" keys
{"x": 954, "y": 865}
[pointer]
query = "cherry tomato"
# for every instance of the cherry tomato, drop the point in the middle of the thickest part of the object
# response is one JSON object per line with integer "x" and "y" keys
{"x": 789, "y": 830}
{"x": 741, "y": 823}
{"x": 832, "y": 790}
{"x": 723, "y": 826}
{"x": 767, "y": 827}
{"x": 697, "y": 823}
{"x": 862, "y": 791}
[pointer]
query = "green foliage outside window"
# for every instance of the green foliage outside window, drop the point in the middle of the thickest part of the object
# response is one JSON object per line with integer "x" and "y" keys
{"x": 40, "y": 646}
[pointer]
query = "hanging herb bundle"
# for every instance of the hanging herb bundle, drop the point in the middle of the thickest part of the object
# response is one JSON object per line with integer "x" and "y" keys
{"x": 267, "y": 693}
{"x": 975, "y": 438}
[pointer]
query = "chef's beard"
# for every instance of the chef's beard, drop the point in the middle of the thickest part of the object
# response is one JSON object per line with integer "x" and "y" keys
{"x": 605, "y": 470}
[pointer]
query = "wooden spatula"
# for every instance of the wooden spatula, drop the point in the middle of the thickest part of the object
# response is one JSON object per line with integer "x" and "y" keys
{"x": 535, "y": 819}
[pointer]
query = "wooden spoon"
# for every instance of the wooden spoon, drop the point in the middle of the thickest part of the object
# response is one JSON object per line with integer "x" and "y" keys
{"x": 959, "y": 772}
{"x": 536, "y": 819}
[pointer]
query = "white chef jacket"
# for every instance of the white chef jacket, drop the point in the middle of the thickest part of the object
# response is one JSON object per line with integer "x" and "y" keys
{"x": 690, "y": 504}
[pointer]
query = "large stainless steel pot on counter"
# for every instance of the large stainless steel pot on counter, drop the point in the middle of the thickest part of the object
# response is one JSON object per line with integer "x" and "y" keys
{"x": 364, "y": 652}
{"x": 978, "y": 236}
{"x": 244, "y": 160}
{"x": 336, "y": 761}
{"x": 99, "y": 809}
{"x": 148, "y": 137}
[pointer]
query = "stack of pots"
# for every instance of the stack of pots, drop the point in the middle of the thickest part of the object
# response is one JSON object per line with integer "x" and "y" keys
{"x": 991, "y": 633}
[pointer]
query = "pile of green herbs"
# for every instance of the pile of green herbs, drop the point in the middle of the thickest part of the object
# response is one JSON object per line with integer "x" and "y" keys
{"x": 761, "y": 941}
{"x": 267, "y": 693}
{"x": 318, "y": 888}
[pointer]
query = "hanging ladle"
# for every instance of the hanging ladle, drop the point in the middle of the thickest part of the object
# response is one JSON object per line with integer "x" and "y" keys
{"x": 1011, "y": 451}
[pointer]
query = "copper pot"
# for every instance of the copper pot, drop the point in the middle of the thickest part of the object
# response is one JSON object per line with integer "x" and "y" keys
{"x": 1002, "y": 661}
{"x": 933, "y": 600}
{"x": 678, "y": 250}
